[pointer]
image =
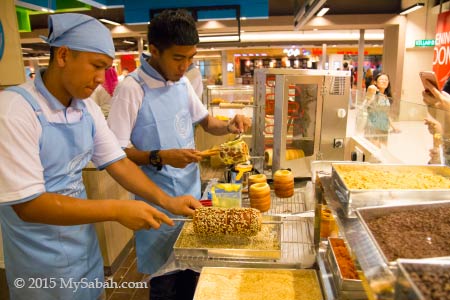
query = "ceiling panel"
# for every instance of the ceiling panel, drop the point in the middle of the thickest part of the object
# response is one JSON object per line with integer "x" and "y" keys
{"x": 277, "y": 8}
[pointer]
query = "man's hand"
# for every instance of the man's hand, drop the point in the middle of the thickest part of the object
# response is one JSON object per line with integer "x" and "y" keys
{"x": 182, "y": 205}
{"x": 179, "y": 158}
{"x": 435, "y": 156}
{"x": 239, "y": 124}
{"x": 435, "y": 98}
{"x": 138, "y": 215}
{"x": 433, "y": 125}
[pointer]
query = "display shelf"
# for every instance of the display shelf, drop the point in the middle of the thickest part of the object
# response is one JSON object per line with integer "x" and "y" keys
{"x": 223, "y": 100}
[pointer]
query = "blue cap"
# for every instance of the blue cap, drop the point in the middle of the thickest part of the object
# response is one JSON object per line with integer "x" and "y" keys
{"x": 79, "y": 32}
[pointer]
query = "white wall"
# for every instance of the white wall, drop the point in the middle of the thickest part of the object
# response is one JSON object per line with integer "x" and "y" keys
{"x": 420, "y": 25}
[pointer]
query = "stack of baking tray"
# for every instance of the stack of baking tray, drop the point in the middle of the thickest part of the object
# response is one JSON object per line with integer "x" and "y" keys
{"x": 362, "y": 185}
{"x": 420, "y": 279}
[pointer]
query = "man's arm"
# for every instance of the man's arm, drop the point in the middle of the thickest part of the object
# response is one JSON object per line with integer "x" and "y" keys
{"x": 238, "y": 124}
{"x": 128, "y": 174}
{"x": 177, "y": 158}
{"x": 56, "y": 209}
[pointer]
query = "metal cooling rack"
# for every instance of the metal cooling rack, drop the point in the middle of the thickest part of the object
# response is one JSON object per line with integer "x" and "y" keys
{"x": 297, "y": 246}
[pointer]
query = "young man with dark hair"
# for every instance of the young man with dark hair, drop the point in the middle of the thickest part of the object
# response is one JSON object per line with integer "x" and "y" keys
{"x": 49, "y": 130}
{"x": 155, "y": 108}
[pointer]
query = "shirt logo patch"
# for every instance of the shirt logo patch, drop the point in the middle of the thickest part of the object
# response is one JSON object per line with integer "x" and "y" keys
{"x": 73, "y": 171}
{"x": 183, "y": 125}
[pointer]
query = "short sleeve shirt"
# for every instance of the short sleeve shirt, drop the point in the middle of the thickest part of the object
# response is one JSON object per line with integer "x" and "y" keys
{"x": 21, "y": 171}
{"x": 127, "y": 101}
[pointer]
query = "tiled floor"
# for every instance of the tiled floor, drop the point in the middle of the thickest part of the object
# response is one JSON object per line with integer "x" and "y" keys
{"x": 128, "y": 273}
{"x": 3, "y": 286}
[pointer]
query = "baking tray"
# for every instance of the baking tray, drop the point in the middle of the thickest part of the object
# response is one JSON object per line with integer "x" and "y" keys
{"x": 351, "y": 288}
{"x": 250, "y": 283}
{"x": 265, "y": 245}
{"x": 368, "y": 213}
{"x": 407, "y": 288}
{"x": 351, "y": 199}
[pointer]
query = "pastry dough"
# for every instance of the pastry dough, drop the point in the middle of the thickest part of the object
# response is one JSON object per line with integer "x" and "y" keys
{"x": 234, "y": 152}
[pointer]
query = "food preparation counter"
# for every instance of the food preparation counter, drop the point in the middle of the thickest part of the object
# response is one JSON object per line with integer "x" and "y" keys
{"x": 379, "y": 273}
{"x": 297, "y": 249}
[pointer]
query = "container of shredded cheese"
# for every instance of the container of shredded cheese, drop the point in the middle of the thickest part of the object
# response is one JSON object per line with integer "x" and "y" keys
{"x": 362, "y": 185}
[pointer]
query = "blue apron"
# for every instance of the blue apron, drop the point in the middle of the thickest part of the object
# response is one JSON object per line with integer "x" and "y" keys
{"x": 164, "y": 122}
{"x": 49, "y": 256}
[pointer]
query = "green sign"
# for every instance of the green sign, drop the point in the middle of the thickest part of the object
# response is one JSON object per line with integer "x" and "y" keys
{"x": 424, "y": 43}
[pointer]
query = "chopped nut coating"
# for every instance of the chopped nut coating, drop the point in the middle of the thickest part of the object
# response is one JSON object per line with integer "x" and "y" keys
{"x": 232, "y": 221}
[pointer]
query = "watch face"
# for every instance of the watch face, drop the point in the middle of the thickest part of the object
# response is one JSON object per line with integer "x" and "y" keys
{"x": 154, "y": 158}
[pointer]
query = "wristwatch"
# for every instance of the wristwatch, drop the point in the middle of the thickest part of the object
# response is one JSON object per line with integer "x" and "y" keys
{"x": 155, "y": 159}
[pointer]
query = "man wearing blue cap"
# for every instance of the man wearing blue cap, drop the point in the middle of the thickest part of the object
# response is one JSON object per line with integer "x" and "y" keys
{"x": 156, "y": 109}
{"x": 49, "y": 130}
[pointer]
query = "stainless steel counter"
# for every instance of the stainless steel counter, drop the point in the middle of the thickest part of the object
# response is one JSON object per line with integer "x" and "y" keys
{"x": 379, "y": 275}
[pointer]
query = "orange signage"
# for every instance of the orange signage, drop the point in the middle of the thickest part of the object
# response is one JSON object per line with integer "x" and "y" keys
{"x": 441, "y": 65}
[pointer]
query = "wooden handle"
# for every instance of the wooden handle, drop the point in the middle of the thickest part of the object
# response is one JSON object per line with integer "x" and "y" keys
{"x": 209, "y": 152}
{"x": 231, "y": 105}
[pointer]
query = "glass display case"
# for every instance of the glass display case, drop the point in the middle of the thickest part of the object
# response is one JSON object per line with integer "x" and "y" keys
{"x": 227, "y": 101}
{"x": 410, "y": 143}
{"x": 300, "y": 116}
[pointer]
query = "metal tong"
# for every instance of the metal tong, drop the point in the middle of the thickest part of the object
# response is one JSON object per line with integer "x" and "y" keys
{"x": 190, "y": 219}
{"x": 238, "y": 136}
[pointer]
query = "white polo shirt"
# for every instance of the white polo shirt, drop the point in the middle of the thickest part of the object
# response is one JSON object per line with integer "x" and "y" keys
{"x": 21, "y": 171}
{"x": 127, "y": 101}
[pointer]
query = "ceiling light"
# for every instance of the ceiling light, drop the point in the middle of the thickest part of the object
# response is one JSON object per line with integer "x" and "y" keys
{"x": 219, "y": 38}
{"x": 323, "y": 11}
{"x": 306, "y": 12}
{"x": 412, "y": 8}
{"x": 128, "y": 42}
{"x": 109, "y": 22}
